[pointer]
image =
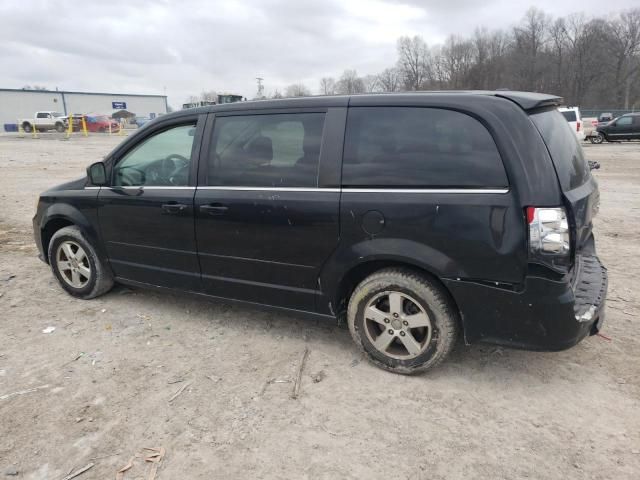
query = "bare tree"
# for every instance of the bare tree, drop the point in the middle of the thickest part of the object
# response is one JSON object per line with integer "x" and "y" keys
{"x": 371, "y": 83}
{"x": 389, "y": 80}
{"x": 589, "y": 61}
{"x": 530, "y": 38}
{"x": 327, "y": 86}
{"x": 350, "y": 83}
{"x": 297, "y": 90}
{"x": 413, "y": 62}
{"x": 624, "y": 45}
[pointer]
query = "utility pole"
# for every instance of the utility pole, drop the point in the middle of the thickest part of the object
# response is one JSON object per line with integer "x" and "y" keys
{"x": 260, "y": 87}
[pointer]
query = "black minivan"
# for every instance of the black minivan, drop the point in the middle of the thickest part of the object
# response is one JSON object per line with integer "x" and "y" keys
{"x": 417, "y": 218}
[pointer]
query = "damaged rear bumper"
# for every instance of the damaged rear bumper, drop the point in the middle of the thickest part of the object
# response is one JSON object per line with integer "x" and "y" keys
{"x": 547, "y": 314}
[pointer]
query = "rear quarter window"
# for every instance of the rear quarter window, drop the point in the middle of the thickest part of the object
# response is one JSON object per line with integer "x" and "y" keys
{"x": 419, "y": 147}
{"x": 562, "y": 143}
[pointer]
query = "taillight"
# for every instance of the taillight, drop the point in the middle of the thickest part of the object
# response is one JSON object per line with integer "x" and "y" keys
{"x": 549, "y": 241}
{"x": 577, "y": 126}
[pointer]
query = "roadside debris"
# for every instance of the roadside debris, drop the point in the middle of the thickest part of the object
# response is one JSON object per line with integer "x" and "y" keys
{"x": 179, "y": 392}
{"x": 79, "y": 472}
{"x": 11, "y": 472}
{"x": 77, "y": 357}
{"x": 49, "y": 330}
{"x": 153, "y": 458}
{"x": 22, "y": 392}
{"x": 105, "y": 456}
{"x": 296, "y": 386}
{"x": 318, "y": 377}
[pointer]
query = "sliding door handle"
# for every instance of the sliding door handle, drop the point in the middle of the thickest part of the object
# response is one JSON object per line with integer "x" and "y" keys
{"x": 214, "y": 209}
{"x": 174, "y": 207}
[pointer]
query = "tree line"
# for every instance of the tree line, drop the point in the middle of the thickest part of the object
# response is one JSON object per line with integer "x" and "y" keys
{"x": 590, "y": 61}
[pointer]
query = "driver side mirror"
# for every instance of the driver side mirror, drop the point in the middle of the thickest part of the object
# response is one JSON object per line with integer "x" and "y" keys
{"x": 97, "y": 174}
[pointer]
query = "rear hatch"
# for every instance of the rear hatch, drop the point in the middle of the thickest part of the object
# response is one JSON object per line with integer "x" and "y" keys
{"x": 579, "y": 187}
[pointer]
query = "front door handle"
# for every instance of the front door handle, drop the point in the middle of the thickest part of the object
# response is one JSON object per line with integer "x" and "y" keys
{"x": 174, "y": 208}
{"x": 214, "y": 209}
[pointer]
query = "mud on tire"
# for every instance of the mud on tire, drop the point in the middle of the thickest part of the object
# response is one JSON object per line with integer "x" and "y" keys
{"x": 383, "y": 309}
{"x": 97, "y": 278}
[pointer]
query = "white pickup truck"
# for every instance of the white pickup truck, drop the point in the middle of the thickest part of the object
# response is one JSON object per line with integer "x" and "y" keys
{"x": 43, "y": 121}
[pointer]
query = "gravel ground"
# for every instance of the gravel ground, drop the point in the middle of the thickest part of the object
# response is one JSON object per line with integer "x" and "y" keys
{"x": 99, "y": 388}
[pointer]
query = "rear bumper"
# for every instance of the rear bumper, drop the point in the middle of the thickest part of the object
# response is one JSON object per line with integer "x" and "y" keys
{"x": 547, "y": 314}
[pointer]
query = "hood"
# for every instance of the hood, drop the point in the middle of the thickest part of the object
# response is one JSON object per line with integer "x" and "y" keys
{"x": 77, "y": 184}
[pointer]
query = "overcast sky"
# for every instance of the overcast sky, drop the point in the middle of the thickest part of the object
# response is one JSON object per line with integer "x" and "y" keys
{"x": 185, "y": 47}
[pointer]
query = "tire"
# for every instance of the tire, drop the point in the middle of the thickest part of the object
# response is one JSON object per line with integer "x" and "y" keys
{"x": 597, "y": 139}
{"x": 59, "y": 127}
{"x": 91, "y": 277}
{"x": 27, "y": 127}
{"x": 410, "y": 349}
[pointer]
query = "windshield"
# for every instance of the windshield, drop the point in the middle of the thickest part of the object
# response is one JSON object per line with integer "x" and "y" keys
{"x": 569, "y": 115}
{"x": 562, "y": 143}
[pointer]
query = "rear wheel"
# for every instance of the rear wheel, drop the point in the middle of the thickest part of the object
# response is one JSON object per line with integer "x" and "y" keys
{"x": 402, "y": 321}
{"x": 76, "y": 266}
{"x": 59, "y": 127}
{"x": 27, "y": 127}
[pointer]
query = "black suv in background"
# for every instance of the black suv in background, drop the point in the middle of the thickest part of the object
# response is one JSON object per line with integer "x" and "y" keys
{"x": 417, "y": 217}
{"x": 625, "y": 127}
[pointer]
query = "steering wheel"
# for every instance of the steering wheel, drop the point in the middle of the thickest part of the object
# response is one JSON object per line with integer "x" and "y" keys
{"x": 179, "y": 169}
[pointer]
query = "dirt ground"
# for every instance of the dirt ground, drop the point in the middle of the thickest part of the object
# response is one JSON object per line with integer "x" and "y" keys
{"x": 99, "y": 388}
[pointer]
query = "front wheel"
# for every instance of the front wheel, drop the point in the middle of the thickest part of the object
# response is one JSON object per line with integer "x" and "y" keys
{"x": 402, "y": 321}
{"x": 76, "y": 265}
{"x": 598, "y": 138}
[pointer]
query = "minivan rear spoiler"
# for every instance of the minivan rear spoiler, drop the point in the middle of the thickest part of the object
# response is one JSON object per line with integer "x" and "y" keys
{"x": 529, "y": 100}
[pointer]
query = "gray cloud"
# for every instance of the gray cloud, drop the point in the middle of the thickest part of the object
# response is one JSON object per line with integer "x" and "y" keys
{"x": 145, "y": 46}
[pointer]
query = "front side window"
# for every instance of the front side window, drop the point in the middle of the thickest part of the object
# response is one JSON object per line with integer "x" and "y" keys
{"x": 419, "y": 147}
{"x": 43, "y": 115}
{"x": 275, "y": 150}
{"x": 622, "y": 121}
{"x": 161, "y": 160}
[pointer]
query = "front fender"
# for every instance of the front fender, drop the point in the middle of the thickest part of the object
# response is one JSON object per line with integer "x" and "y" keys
{"x": 78, "y": 208}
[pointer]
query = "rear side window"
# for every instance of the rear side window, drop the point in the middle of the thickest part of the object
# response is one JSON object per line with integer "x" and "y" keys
{"x": 419, "y": 147}
{"x": 566, "y": 153}
{"x": 570, "y": 116}
{"x": 279, "y": 150}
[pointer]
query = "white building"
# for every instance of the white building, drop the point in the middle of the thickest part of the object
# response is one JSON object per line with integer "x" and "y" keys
{"x": 16, "y": 103}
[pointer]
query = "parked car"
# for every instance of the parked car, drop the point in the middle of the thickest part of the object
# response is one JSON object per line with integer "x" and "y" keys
{"x": 589, "y": 126}
{"x": 140, "y": 121}
{"x": 625, "y": 127}
{"x": 101, "y": 123}
{"x": 604, "y": 118}
{"x": 417, "y": 218}
{"x": 572, "y": 115}
{"x": 43, "y": 121}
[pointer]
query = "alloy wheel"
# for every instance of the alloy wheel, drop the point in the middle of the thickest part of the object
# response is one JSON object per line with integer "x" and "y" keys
{"x": 397, "y": 325}
{"x": 73, "y": 264}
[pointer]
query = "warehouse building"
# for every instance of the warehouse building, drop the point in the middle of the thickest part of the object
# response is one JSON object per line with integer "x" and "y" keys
{"x": 16, "y": 103}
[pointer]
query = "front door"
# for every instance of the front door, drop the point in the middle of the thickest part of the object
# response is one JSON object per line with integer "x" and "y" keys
{"x": 146, "y": 216}
{"x": 621, "y": 128}
{"x": 263, "y": 225}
